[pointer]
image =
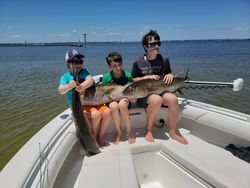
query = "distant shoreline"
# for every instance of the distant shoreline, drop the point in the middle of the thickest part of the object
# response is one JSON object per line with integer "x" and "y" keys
{"x": 42, "y": 44}
{"x": 77, "y": 44}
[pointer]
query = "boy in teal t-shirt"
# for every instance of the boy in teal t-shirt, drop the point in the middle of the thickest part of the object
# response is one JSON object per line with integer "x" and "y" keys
{"x": 99, "y": 116}
{"x": 67, "y": 78}
{"x": 119, "y": 110}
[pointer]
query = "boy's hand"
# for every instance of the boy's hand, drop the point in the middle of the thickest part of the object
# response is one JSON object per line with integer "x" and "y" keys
{"x": 72, "y": 84}
{"x": 79, "y": 88}
{"x": 152, "y": 77}
{"x": 168, "y": 79}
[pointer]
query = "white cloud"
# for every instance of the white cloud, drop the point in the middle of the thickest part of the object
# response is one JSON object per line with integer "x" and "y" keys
{"x": 48, "y": 35}
{"x": 113, "y": 33}
{"x": 108, "y": 30}
{"x": 98, "y": 28}
{"x": 178, "y": 29}
{"x": 129, "y": 34}
{"x": 16, "y": 36}
{"x": 65, "y": 35}
{"x": 241, "y": 29}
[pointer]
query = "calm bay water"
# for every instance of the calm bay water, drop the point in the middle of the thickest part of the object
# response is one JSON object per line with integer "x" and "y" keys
{"x": 29, "y": 79}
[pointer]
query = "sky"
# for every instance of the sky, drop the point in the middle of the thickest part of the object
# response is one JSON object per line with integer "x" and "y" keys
{"x": 122, "y": 20}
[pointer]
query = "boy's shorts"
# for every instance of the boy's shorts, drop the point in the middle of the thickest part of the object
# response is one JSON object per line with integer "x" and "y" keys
{"x": 100, "y": 108}
{"x": 143, "y": 102}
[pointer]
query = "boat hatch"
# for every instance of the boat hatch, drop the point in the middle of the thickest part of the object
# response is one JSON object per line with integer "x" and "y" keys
{"x": 155, "y": 169}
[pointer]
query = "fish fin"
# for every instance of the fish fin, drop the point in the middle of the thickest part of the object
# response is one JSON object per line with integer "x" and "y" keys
{"x": 179, "y": 73}
{"x": 186, "y": 77}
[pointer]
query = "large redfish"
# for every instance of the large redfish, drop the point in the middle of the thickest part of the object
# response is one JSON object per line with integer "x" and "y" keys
{"x": 143, "y": 88}
{"x": 102, "y": 94}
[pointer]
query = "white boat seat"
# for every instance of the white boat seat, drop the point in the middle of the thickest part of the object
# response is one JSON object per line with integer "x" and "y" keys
{"x": 220, "y": 123}
{"x": 212, "y": 163}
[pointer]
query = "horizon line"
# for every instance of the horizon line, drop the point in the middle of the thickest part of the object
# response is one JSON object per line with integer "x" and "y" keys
{"x": 81, "y": 42}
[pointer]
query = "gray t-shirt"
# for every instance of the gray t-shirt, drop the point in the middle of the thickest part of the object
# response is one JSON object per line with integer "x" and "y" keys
{"x": 159, "y": 66}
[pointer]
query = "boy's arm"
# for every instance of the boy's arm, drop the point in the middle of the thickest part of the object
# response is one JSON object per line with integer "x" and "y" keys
{"x": 137, "y": 75}
{"x": 62, "y": 89}
{"x": 86, "y": 84}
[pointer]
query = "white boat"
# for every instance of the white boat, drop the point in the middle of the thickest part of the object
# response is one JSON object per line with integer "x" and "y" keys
{"x": 54, "y": 157}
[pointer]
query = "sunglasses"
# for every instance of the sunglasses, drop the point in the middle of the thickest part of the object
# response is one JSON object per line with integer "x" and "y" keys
{"x": 76, "y": 62}
{"x": 153, "y": 44}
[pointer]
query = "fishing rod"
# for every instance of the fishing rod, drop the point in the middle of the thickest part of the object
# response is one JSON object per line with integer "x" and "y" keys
{"x": 236, "y": 84}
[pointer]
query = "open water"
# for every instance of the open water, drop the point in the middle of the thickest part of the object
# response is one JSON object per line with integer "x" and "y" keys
{"x": 29, "y": 78}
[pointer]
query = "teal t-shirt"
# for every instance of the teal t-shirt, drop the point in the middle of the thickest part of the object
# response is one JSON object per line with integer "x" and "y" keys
{"x": 67, "y": 77}
{"x": 123, "y": 80}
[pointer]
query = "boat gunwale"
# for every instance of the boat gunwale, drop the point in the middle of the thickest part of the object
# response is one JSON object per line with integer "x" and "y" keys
{"x": 45, "y": 140}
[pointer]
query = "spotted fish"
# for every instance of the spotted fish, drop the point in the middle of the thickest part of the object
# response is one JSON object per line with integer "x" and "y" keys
{"x": 143, "y": 88}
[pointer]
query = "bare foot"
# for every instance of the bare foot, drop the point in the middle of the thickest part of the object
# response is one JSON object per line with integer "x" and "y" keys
{"x": 101, "y": 142}
{"x": 131, "y": 138}
{"x": 178, "y": 138}
{"x": 116, "y": 139}
{"x": 149, "y": 136}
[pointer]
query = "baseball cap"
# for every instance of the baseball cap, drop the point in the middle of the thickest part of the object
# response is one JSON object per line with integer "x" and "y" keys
{"x": 71, "y": 54}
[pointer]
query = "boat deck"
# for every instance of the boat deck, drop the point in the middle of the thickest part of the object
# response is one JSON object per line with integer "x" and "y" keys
{"x": 59, "y": 161}
{"x": 142, "y": 164}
